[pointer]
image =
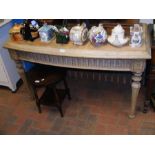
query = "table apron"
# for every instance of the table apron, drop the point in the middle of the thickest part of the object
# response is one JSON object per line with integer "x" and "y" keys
{"x": 134, "y": 65}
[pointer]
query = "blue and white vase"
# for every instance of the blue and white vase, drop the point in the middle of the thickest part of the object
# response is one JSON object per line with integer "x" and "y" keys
{"x": 136, "y": 32}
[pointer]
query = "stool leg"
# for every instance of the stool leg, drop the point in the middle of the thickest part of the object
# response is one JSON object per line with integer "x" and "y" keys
{"x": 61, "y": 113}
{"x": 67, "y": 89}
{"x": 37, "y": 100}
{"x": 58, "y": 102}
{"x": 38, "y": 105}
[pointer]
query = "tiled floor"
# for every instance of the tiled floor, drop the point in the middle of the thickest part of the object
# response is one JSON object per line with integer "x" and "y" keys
{"x": 96, "y": 108}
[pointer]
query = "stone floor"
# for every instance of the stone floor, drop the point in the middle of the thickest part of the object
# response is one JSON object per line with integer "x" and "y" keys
{"x": 96, "y": 108}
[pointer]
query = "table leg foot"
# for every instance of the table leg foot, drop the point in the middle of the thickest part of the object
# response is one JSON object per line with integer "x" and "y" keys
{"x": 131, "y": 116}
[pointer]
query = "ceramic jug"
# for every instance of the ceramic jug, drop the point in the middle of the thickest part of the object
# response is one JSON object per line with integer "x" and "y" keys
{"x": 97, "y": 35}
{"x": 79, "y": 34}
{"x": 136, "y": 32}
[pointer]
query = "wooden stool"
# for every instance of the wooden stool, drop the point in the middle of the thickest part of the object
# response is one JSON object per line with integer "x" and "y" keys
{"x": 43, "y": 76}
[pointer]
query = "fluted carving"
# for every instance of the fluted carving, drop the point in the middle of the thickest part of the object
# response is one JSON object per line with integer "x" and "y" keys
{"x": 85, "y": 63}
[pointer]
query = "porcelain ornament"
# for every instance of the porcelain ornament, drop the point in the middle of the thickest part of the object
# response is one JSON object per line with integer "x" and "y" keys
{"x": 117, "y": 37}
{"x": 79, "y": 34}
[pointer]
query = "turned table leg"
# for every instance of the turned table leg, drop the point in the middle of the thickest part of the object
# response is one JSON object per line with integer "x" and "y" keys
{"x": 24, "y": 78}
{"x": 21, "y": 72}
{"x": 136, "y": 78}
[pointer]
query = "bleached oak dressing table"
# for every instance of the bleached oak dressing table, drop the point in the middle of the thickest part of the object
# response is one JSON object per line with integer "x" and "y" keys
{"x": 105, "y": 57}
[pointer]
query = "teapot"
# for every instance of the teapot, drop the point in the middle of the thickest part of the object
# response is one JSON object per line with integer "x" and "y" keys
{"x": 30, "y": 30}
{"x": 15, "y": 32}
{"x": 97, "y": 35}
{"x": 46, "y": 33}
{"x": 136, "y": 35}
{"x": 117, "y": 37}
{"x": 62, "y": 35}
{"x": 79, "y": 34}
